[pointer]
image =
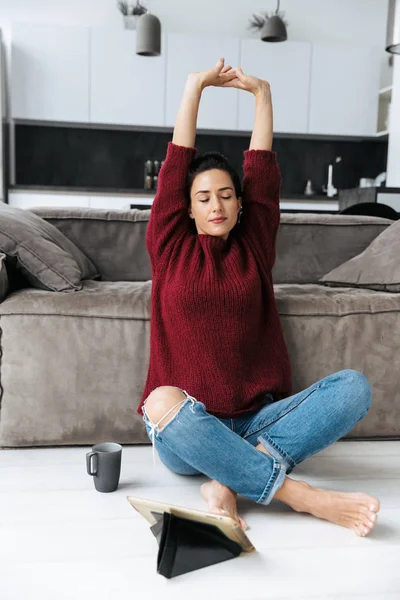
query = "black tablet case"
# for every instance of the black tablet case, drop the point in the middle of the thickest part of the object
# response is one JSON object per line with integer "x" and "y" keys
{"x": 186, "y": 545}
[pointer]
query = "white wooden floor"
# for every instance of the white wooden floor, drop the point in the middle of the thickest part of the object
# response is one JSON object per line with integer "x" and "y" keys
{"x": 60, "y": 539}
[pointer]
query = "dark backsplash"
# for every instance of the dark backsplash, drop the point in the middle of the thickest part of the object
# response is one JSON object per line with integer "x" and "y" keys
{"x": 107, "y": 158}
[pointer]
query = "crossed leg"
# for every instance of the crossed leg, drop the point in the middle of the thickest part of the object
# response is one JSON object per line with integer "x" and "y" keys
{"x": 356, "y": 511}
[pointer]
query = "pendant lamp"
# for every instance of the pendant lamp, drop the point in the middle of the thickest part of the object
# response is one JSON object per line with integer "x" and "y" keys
{"x": 148, "y": 35}
{"x": 393, "y": 28}
{"x": 274, "y": 29}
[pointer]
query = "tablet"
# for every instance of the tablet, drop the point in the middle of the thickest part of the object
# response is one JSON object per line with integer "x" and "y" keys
{"x": 152, "y": 511}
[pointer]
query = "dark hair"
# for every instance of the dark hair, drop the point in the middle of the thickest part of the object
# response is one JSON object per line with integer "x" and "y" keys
{"x": 208, "y": 161}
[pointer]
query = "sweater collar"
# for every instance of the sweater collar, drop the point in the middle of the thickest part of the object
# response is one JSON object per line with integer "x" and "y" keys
{"x": 214, "y": 245}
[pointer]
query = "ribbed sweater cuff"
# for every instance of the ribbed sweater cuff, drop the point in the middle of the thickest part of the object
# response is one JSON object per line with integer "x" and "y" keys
{"x": 259, "y": 157}
{"x": 182, "y": 153}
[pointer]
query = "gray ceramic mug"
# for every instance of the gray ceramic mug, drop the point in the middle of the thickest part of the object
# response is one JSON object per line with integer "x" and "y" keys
{"x": 103, "y": 463}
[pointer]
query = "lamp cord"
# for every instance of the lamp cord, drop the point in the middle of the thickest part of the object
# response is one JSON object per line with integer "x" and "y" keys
{"x": 277, "y": 8}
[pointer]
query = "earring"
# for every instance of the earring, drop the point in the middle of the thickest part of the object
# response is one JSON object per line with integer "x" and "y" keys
{"x": 240, "y": 214}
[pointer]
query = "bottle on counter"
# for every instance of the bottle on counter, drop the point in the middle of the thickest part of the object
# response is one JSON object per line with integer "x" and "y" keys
{"x": 309, "y": 191}
{"x": 148, "y": 175}
{"x": 155, "y": 173}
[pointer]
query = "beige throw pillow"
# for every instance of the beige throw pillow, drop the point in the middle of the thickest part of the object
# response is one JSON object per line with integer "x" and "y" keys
{"x": 45, "y": 257}
{"x": 377, "y": 268}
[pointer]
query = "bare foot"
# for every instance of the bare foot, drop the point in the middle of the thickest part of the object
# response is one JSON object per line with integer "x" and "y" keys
{"x": 221, "y": 501}
{"x": 357, "y": 511}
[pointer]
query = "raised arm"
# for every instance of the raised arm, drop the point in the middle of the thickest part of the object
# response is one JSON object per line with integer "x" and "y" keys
{"x": 186, "y": 119}
{"x": 262, "y": 178}
{"x": 261, "y": 138}
{"x": 169, "y": 219}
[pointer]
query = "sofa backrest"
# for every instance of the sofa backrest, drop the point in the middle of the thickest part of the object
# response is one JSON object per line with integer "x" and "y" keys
{"x": 309, "y": 245}
{"x": 114, "y": 240}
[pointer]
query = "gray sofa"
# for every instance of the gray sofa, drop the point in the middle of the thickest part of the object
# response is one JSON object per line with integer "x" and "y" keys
{"x": 73, "y": 365}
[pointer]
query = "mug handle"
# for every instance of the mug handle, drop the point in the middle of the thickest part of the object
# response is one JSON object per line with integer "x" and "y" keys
{"x": 89, "y": 463}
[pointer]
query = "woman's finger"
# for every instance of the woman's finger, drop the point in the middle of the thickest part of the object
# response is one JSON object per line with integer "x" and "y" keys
{"x": 236, "y": 83}
{"x": 226, "y": 69}
{"x": 228, "y": 76}
{"x": 220, "y": 65}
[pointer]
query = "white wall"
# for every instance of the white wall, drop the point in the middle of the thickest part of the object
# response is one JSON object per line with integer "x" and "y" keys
{"x": 309, "y": 20}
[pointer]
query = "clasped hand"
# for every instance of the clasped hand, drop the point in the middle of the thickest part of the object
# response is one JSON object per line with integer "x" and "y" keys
{"x": 225, "y": 76}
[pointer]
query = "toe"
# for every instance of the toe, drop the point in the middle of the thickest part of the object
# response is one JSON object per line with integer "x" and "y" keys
{"x": 367, "y": 515}
{"x": 364, "y": 525}
{"x": 366, "y": 530}
{"x": 363, "y": 530}
{"x": 370, "y": 524}
{"x": 374, "y": 505}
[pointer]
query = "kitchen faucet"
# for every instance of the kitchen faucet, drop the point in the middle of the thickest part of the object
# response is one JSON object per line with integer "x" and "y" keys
{"x": 330, "y": 188}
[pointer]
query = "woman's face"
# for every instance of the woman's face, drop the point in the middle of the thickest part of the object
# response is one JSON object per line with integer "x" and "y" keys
{"x": 213, "y": 196}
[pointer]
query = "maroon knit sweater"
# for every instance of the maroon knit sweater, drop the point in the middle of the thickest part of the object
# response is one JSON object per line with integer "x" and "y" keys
{"x": 215, "y": 330}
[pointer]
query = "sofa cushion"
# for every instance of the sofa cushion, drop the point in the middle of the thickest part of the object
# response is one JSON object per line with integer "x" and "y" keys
{"x": 377, "y": 268}
{"x": 102, "y": 299}
{"x": 3, "y": 277}
{"x": 330, "y": 329}
{"x": 315, "y": 300}
{"x": 84, "y": 358}
{"x": 46, "y": 258}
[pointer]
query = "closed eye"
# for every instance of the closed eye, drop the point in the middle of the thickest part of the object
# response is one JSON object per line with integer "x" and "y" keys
{"x": 223, "y": 197}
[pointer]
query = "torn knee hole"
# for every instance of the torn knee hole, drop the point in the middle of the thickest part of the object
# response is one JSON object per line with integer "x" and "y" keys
{"x": 162, "y": 405}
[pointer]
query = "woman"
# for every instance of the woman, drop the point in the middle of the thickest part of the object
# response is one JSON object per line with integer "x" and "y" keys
{"x": 215, "y": 331}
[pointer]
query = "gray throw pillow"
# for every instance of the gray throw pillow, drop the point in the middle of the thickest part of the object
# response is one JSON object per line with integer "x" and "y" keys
{"x": 377, "y": 268}
{"x": 3, "y": 278}
{"x": 46, "y": 258}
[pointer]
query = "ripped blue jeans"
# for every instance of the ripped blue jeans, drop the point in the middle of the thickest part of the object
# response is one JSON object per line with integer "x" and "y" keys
{"x": 195, "y": 442}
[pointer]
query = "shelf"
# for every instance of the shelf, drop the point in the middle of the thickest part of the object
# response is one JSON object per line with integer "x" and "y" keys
{"x": 385, "y": 99}
{"x": 386, "y": 91}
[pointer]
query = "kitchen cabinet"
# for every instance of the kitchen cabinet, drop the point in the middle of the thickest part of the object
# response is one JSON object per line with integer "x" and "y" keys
{"x": 28, "y": 199}
{"x": 287, "y": 68}
{"x": 79, "y": 75}
{"x": 25, "y": 198}
{"x": 50, "y": 73}
{"x": 125, "y": 89}
{"x": 344, "y": 89}
{"x": 120, "y": 202}
{"x": 187, "y": 53}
